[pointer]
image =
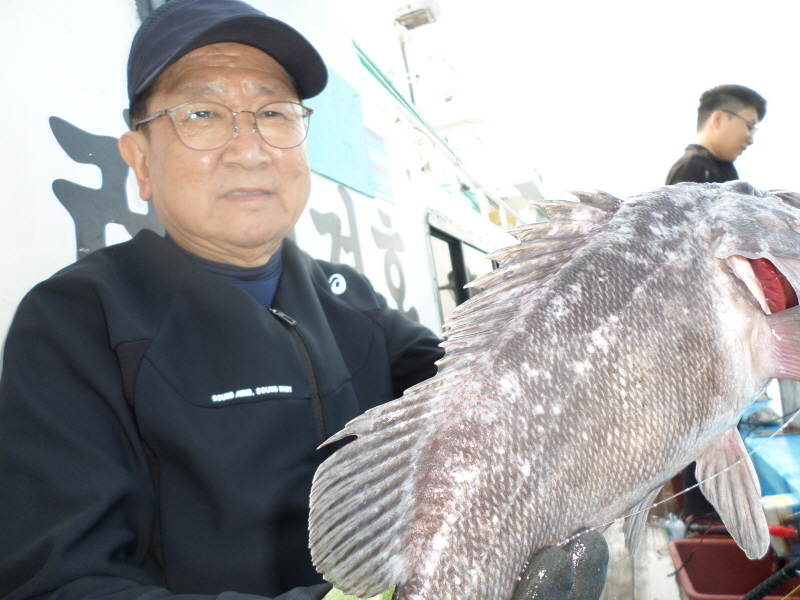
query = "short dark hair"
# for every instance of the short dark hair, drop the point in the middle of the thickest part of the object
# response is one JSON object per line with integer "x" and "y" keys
{"x": 138, "y": 108}
{"x": 729, "y": 97}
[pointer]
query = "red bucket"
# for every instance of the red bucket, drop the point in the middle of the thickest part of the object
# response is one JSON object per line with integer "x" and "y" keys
{"x": 720, "y": 570}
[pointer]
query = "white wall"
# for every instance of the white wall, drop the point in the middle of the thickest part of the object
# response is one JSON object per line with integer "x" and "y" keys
{"x": 55, "y": 60}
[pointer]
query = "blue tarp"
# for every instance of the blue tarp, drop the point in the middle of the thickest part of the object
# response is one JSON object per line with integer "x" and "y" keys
{"x": 777, "y": 462}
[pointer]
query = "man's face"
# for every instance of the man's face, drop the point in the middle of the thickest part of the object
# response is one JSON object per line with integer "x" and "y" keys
{"x": 736, "y": 133}
{"x": 234, "y": 204}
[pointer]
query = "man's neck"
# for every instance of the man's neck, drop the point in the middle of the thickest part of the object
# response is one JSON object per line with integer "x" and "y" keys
{"x": 707, "y": 142}
{"x": 225, "y": 253}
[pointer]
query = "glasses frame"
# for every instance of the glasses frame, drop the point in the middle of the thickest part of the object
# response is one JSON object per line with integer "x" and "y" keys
{"x": 751, "y": 127}
{"x": 170, "y": 112}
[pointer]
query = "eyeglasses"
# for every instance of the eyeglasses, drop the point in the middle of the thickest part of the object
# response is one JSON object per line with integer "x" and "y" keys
{"x": 751, "y": 127}
{"x": 211, "y": 125}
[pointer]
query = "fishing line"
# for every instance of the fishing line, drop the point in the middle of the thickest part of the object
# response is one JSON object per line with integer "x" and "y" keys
{"x": 791, "y": 418}
{"x": 753, "y": 426}
{"x": 691, "y": 554}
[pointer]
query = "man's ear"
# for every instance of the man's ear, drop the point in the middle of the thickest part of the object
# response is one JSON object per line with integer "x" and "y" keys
{"x": 134, "y": 147}
{"x": 716, "y": 118}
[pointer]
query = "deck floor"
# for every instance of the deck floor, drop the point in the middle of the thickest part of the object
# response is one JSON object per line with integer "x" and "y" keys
{"x": 645, "y": 576}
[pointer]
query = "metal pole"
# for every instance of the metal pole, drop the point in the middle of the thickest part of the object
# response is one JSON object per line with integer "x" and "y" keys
{"x": 403, "y": 35}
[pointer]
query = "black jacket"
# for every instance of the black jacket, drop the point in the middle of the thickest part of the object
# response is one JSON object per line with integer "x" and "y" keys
{"x": 158, "y": 427}
{"x": 699, "y": 165}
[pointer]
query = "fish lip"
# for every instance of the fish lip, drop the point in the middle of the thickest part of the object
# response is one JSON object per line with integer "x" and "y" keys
{"x": 741, "y": 267}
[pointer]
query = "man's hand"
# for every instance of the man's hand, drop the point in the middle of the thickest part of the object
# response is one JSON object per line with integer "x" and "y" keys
{"x": 575, "y": 572}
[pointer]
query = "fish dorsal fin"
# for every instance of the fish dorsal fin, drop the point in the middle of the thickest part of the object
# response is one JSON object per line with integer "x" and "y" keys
{"x": 594, "y": 207}
{"x": 599, "y": 199}
{"x": 735, "y": 493}
{"x": 524, "y": 268}
{"x": 364, "y": 497}
{"x": 634, "y": 525}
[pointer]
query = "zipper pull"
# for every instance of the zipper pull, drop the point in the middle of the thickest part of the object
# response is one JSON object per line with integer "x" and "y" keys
{"x": 283, "y": 317}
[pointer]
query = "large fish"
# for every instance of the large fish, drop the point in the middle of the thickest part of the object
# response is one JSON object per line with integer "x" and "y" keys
{"x": 617, "y": 343}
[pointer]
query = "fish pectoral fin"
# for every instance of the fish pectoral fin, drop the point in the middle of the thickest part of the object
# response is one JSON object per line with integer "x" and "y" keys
{"x": 634, "y": 524}
{"x": 735, "y": 492}
{"x": 785, "y": 330}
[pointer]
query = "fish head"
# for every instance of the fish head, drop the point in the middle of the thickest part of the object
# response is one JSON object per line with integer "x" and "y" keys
{"x": 768, "y": 227}
{"x": 755, "y": 236}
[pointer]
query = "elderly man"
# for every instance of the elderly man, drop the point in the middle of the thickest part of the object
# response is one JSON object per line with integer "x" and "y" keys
{"x": 726, "y": 123}
{"x": 162, "y": 400}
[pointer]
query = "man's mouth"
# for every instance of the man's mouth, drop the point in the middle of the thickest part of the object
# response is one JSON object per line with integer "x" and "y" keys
{"x": 248, "y": 194}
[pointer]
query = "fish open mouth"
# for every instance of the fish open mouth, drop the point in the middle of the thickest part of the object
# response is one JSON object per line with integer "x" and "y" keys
{"x": 769, "y": 286}
{"x": 778, "y": 291}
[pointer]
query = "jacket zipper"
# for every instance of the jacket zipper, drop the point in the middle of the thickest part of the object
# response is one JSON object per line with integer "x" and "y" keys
{"x": 316, "y": 401}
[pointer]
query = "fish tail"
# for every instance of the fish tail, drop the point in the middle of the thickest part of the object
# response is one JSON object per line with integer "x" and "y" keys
{"x": 363, "y": 496}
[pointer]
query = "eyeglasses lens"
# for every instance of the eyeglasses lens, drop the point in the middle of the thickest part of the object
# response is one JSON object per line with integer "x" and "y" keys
{"x": 209, "y": 125}
{"x": 282, "y": 124}
{"x": 203, "y": 126}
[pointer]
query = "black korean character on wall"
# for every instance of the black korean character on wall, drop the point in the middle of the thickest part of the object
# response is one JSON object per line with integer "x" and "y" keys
{"x": 92, "y": 209}
{"x": 331, "y": 224}
{"x": 393, "y": 244}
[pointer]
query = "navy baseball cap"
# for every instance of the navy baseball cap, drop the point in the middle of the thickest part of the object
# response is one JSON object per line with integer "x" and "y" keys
{"x": 180, "y": 26}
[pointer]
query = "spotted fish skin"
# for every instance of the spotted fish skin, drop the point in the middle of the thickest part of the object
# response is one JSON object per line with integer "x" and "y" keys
{"x": 617, "y": 343}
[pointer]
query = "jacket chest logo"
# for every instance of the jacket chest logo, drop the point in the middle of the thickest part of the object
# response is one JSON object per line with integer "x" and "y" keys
{"x": 264, "y": 390}
{"x": 337, "y": 283}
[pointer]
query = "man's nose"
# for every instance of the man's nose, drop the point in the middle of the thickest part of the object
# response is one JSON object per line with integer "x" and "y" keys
{"x": 247, "y": 147}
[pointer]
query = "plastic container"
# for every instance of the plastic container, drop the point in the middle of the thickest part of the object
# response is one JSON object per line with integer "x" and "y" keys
{"x": 676, "y": 529}
{"x": 781, "y": 509}
{"x": 720, "y": 570}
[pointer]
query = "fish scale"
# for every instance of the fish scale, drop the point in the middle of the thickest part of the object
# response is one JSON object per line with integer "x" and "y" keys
{"x": 617, "y": 343}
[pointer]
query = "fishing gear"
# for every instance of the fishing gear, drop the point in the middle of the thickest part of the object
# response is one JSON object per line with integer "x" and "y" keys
{"x": 776, "y": 580}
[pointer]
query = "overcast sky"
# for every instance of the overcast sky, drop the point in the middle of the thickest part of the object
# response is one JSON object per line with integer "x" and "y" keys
{"x": 604, "y": 94}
